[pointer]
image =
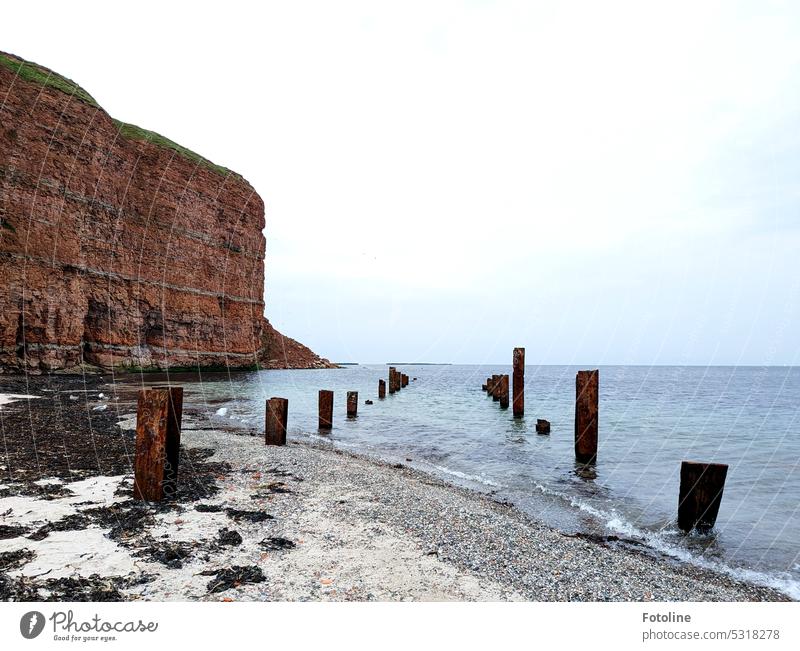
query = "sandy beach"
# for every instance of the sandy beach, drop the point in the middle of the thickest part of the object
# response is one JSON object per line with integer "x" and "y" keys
{"x": 301, "y": 522}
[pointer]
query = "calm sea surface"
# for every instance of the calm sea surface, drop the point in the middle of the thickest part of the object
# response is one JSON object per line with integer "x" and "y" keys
{"x": 651, "y": 418}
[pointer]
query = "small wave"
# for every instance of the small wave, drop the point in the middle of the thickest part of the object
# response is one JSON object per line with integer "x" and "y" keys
{"x": 221, "y": 411}
{"x": 655, "y": 540}
{"x": 463, "y": 475}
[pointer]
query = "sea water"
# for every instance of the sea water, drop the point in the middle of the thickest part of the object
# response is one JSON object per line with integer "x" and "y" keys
{"x": 651, "y": 418}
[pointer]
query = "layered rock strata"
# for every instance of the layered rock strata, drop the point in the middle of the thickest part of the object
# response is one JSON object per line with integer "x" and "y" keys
{"x": 118, "y": 247}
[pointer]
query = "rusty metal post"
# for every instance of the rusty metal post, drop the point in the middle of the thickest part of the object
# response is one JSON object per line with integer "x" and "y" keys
{"x": 700, "y": 494}
{"x": 404, "y": 379}
{"x": 392, "y": 371}
{"x": 381, "y": 389}
{"x": 587, "y": 385}
{"x": 277, "y": 418}
{"x": 488, "y": 385}
{"x": 174, "y": 422}
{"x": 519, "y": 382}
{"x": 325, "y": 409}
{"x": 504, "y": 392}
{"x": 158, "y": 440}
{"x": 352, "y": 404}
{"x": 495, "y": 388}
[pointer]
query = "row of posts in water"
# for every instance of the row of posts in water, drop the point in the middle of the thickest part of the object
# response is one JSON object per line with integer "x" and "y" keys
{"x": 701, "y": 484}
{"x": 160, "y": 409}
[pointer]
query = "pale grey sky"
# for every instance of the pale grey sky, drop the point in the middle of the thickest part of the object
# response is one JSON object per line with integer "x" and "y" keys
{"x": 599, "y": 182}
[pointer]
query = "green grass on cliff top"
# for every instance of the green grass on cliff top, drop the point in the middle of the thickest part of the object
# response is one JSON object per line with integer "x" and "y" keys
{"x": 41, "y": 75}
{"x": 132, "y": 132}
{"x": 37, "y": 74}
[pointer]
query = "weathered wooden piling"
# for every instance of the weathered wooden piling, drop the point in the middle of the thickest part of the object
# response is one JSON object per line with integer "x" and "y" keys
{"x": 587, "y": 384}
{"x": 404, "y": 380}
{"x": 519, "y": 382}
{"x": 542, "y": 426}
{"x": 381, "y": 388}
{"x": 495, "y": 388}
{"x": 392, "y": 380}
{"x": 352, "y": 404}
{"x": 488, "y": 385}
{"x": 158, "y": 439}
{"x": 700, "y": 494}
{"x": 325, "y": 409}
{"x": 504, "y": 392}
{"x": 277, "y": 418}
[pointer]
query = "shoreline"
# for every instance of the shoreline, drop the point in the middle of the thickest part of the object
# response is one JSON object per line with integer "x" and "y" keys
{"x": 307, "y": 521}
{"x": 301, "y": 511}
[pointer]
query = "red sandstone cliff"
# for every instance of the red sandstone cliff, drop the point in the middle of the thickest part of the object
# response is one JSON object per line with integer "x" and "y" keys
{"x": 119, "y": 248}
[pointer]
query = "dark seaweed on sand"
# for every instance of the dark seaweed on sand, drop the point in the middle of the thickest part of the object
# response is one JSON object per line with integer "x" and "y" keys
{"x": 74, "y": 522}
{"x": 208, "y": 508}
{"x": 15, "y": 559}
{"x": 237, "y": 515}
{"x": 170, "y": 554}
{"x": 280, "y": 472}
{"x": 229, "y": 537}
{"x": 233, "y": 577}
{"x": 277, "y": 543}
{"x": 92, "y": 588}
{"x": 60, "y": 437}
{"x": 10, "y": 531}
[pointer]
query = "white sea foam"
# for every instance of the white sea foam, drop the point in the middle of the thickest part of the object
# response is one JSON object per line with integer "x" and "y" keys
{"x": 463, "y": 475}
{"x": 617, "y": 524}
{"x": 221, "y": 411}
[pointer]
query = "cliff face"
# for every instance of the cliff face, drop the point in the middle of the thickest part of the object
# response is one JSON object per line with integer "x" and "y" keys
{"x": 117, "y": 246}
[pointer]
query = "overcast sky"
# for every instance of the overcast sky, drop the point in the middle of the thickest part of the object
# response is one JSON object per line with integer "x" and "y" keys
{"x": 599, "y": 182}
